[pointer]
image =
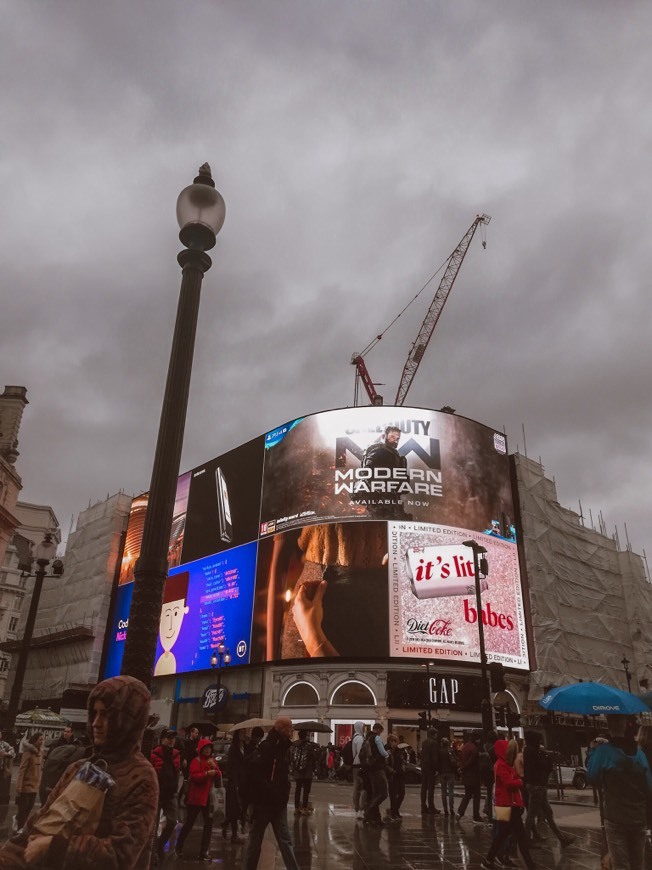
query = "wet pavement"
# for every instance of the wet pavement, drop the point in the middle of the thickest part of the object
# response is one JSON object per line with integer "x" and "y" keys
{"x": 333, "y": 838}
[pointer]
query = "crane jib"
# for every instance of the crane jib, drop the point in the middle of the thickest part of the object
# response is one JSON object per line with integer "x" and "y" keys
{"x": 424, "y": 335}
{"x": 436, "y": 307}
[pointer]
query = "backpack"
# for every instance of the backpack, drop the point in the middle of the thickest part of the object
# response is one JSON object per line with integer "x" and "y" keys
{"x": 484, "y": 761}
{"x": 300, "y": 758}
{"x": 250, "y": 776}
{"x": 347, "y": 753}
{"x": 367, "y": 755}
{"x": 168, "y": 778}
{"x": 58, "y": 760}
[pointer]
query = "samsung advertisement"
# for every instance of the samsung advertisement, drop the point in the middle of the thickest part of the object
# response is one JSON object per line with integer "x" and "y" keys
{"x": 339, "y": 534}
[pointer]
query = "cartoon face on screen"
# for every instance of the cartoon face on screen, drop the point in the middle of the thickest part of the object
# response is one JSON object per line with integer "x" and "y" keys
{"x": 172, "y": 613}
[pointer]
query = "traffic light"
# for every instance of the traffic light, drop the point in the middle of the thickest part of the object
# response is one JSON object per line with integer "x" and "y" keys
{"x": 500, "y": 717}
{"x": 497, "y": 677}
{"x": 486, "y": 712}
{"x": 513, "y": 719}
{"x": 423, "y": 721}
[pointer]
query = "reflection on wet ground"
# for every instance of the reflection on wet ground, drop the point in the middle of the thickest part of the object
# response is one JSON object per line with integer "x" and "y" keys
{"x": 333, "y": 838}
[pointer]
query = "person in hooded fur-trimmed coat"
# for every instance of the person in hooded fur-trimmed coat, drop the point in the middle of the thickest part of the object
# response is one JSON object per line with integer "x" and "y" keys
{"x": 118, "y": 709}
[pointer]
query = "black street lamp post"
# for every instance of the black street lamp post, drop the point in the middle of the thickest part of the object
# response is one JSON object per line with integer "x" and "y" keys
{"x": 221, "y": 658}
{"x": 200, "y": 212}
{"x": 625, "y": 663}
{"x": 480, "y": 565}
{"x": 43, "y": 554}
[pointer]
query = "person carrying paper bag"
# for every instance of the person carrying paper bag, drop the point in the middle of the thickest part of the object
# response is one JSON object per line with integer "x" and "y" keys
{"x": 110, "y": 828}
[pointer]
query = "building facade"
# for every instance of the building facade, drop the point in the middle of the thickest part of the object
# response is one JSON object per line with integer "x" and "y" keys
{"x": 65, "y": 656}
{"x": 363, "y": 503}
{"x": 590, "y": 605}
{"x": 16, "y": 582}
{"x": 12, "y": 405}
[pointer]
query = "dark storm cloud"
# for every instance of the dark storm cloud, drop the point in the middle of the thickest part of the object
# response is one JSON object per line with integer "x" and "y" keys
{"x": 354, "y": 142}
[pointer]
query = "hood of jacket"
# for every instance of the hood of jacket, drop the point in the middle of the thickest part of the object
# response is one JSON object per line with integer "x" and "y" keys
{"x": 204, "y": 742}
{"x": 275, "y": 738}
{"x": 127, "y": 702}
{"x": 500, "y": 748}
{"x": 358, "y": 728}
{"x": 29, "y": 747}
{"x": 627, "y": 744}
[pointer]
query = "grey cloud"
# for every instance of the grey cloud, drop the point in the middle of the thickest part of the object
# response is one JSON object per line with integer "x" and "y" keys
{"x": 354, "y": 143}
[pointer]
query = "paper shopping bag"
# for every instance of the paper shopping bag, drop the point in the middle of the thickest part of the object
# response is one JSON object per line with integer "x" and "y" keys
{"x": 77, "y": 810}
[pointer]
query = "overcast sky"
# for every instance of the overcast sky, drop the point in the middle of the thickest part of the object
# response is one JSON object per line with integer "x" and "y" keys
{"x": 354, "y": 142}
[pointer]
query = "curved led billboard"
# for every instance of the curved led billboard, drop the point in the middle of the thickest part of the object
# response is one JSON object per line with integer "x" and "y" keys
{"x": 341, "y": 534}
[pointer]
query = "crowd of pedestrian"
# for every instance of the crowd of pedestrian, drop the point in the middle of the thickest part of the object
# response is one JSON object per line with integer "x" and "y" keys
{"x": 160, "y": 781}
{"x": 514, "y": 775}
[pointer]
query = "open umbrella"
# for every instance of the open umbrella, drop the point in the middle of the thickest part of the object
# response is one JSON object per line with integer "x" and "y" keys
{"x": 591, "y": 699}
{"x": 646, "y": 697}
{"x": 312, "y": 726}
{"x": 252, "y": 723}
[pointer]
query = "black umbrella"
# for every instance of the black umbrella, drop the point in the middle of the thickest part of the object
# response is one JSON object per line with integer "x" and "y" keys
{"x": 312, "y": 726}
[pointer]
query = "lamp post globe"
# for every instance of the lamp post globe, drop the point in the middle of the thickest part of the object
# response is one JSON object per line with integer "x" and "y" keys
{"x": 46, "y": 550}
{"x": 628, "y": 676}
{"x": 200, "y": 212}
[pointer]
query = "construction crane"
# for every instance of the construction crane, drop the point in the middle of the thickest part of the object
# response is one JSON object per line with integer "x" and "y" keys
{"x": 418, "y": 349}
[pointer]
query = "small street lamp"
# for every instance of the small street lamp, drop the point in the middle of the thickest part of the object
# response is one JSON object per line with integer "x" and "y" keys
{"x": 480, "y": 566}
{"x": 44, "y": 553}
{"x": 625, "y": 662}
{"x": 200, "y": 213}
{"x": 221, "y": 658}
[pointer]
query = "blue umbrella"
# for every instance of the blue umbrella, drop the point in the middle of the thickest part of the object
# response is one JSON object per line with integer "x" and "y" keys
{"x": 591, "y": 699}
{"x": 646, "y": 697}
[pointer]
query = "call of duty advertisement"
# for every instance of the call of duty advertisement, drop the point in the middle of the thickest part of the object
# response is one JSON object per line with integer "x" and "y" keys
{"x": 340, "y": 534}
{"x": 383, "y": 463}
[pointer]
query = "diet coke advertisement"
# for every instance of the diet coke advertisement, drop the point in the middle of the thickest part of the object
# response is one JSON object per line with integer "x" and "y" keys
{"x": 433, "y": 611}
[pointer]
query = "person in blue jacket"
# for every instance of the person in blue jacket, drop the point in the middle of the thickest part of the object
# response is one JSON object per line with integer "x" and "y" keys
{"x": 621, "y": 769}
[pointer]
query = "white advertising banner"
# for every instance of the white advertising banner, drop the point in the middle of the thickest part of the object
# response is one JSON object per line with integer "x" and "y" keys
{"x": 432, "y": 602}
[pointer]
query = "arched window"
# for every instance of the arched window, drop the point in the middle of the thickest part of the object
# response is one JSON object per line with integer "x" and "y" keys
{"x": 512, "y": 703}
{"x": 301, "y": 695}
{"x": 353, "y": 693}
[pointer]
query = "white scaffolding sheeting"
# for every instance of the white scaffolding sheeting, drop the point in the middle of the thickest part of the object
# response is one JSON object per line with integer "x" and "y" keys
{"x": 73, "y": 610}
{"x": 591, "y": 603}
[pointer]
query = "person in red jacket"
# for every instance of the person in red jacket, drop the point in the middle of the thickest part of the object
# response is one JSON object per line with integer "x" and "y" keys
{"x": 508, "y": 786}
{"x": 202, "y": 774}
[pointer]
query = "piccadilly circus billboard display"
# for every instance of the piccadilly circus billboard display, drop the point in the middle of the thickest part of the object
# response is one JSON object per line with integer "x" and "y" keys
{"x": 340, "y": 534}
